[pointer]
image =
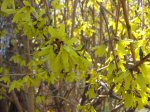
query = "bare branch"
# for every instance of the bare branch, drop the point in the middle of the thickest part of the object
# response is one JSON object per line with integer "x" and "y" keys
{"x": 117, "y": 107}
{"x": 140, "y": 62}
{"x": 73, "y": 16}
{"x": 110, "y": 93}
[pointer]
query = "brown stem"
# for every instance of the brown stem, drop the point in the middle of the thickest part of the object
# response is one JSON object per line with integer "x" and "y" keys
{"x": 123, "y": 2}
{"x": 47, "y": 4}
{"x": 93, "y": 27}
{"x": 117, "y": 16}
{"x": 84, "y": 97}
{"x": 3, "y": 85}
{"x": 65, "y": 14}
{"x": 16, "y": 101}
{"x": 114, "y": 17}
{"x": 1, "y": 58}
{"x": 100, "y": 24}
{"x": 117, "y": 108}
{"x": 16, "y": 75}
{"x": 142, "y": 14}
{"x": 111, "y": 47}
{"x": 30, "y": 94}
{"x": 54, "y": 17}
{"x": 110, "y": 93}
{"x": 73, "y": 16}
{"x": 140, "y": 62}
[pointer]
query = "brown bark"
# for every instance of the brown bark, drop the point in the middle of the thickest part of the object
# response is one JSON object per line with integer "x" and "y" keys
{"x": 73, "y": 16}
{"x": 117, "y": 15}
{"x": 143, "y": 15}
{"x": 16, "y": 101}
{"x": 100, "y": 25}
{"x": 93, "y": 27}
{"x": 123, "y": 3}
{"x": 30, "y": 91}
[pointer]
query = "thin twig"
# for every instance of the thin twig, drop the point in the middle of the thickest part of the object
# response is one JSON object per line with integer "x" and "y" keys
{"x": 70, "y": 102}
{"x": 16, "y": 101}
{"x": 114, "y": 17}
{"x": 3, "y": 85}
{"x": 111, "y": 42}
{"x": 16, "y": 75}
{"x": 140, "y": 62}
{"x": 117, "y": 107}
{"x": 126, "y": 18}
{"x": 110, "y": 93}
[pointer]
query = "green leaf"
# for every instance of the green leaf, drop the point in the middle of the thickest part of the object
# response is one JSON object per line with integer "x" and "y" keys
{"x": 141, "y": 81}
{"x": 121, "y": 47}
{"x": 15, "y": 84}
{"x": 1, "y": 97}
{"x": 129, "y": 100}
{"x": 101, "y": 50}
{"x": 127, "y": 82}
{"x": 143, "y": 100}
{"x": 121, "y": 76}
{"x": 71, "y": 52}
{"x": 140, "y": 103}
{"x": 65, "y": 60}
{"x": 6, "y": 79}
{"x": 57, "y": 4}
{"x": 26, "y": 3}
{"x": 83, "y": 64}
{"x": 72, "y": 41}
{"x": 40, "y": 99}
{"x": 53, "y": 78}
{"x": 58, "y": 63}
{"x": 145, "y": 69}
{"x": 44, "y": 51}
{"x": 91, "y": 93}
{"x": 52, "y": 57}
{"x": 19, "y": 15}
{"x": 27, "y": 81}
{"x": 57, "y": 33}
{"x": 110, "y": 75}
{"x": 71, "y": 77}
{"x": 8, "y": 6}
{"x": 1, "y": 69}
{"x": 17, "y": 59}
{"x": 36, "y": 82}
{"x": 92, "y": 109}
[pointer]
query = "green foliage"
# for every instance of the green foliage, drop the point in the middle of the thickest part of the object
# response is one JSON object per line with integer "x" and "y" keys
{"x": 40, "y": 99}
{"x": 18, "y": 60}
{"x": 8, "y": 6}
{"x": 6, "y": 79}
{"x": 57, "y": 4}
{"x": 15, "y": 85}
{"x": 57, "y": 33}
{"x": 91, "y": 93}
{"x": 145, "y": 69}
{"x": 1, "y": 97}
{"x": 56, "y": 58}
{"x": 86, "y": 108}
{"x": 101, "y": 50}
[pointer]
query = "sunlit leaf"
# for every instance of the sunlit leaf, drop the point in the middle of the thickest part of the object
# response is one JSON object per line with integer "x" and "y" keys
{"x": 145, "y": 69}
{"x": 101, "y": 50}
{"x": 65, "y": 58}
{"x": 91, "y": 93}
{"x": 129, "y": 103}
{"x": 8, "y": 6}
{"x": 121, "y": 77}
{"x": 40, "y": 99}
